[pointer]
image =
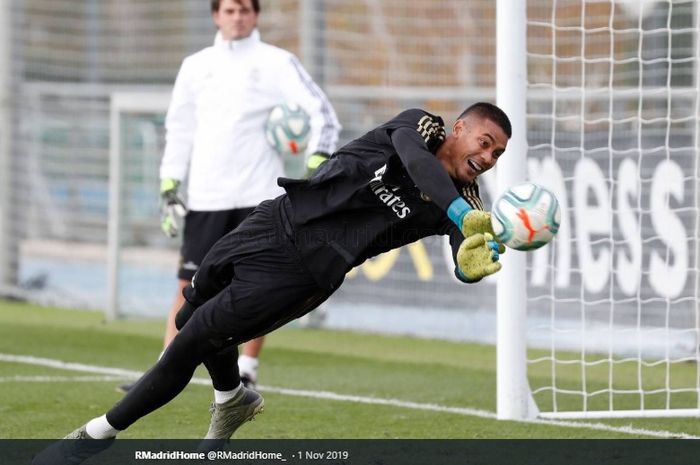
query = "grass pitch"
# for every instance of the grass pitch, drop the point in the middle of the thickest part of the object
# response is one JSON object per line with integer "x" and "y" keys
{"x": 384, "y": 387}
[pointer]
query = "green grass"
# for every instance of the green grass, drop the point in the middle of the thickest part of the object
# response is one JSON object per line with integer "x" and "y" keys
{"x": 408, "y": 369}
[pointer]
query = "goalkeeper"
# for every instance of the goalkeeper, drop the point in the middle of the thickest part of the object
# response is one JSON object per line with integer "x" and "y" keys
{"x": 398, "y": 183}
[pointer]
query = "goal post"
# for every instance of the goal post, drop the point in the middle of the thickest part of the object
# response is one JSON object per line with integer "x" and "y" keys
{"x": 604, "y": 321}
{"x": 154, "y": 102}
{"x": 513, "y": 395}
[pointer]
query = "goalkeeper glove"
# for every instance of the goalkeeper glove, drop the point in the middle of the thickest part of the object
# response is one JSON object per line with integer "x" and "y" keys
{"x": 477, "y": 257}
{"x": 469, "y": 220}
{"x": 314, "y": 161}
{"x": 477, "y": 221}
{"x": 171, "y": 207}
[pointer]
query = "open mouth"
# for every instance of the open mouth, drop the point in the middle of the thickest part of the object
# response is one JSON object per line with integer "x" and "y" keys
{"x": 475, "y": 166}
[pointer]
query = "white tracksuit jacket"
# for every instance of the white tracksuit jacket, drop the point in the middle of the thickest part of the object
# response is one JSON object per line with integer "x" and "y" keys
{"x": 215, "y": 122}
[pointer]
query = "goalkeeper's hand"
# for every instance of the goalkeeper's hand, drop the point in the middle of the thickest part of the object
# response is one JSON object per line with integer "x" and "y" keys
{"x": 471, "y": 221}
{"x": 172, "y": 209}
{"x": 477, "y": 222}
{"x": 478, "y": 256}
{"x": 314, "y": 161}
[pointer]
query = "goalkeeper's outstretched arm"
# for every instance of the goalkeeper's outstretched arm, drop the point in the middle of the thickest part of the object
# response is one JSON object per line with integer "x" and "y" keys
{"x": 423, "y": 168}
{"x": 432, "y": 179}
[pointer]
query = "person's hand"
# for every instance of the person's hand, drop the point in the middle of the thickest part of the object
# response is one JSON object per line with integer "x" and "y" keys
{"x": 478, "y": 256}
{"x": 172, "y": 209}
{"x": 476, "y": 222}
{"x": 479, "y": 222}
{"x": 314, "y": 162}
{"x": 469, "y": 220}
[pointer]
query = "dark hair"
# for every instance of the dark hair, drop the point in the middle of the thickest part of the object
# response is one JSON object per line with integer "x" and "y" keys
{"x": 490, "y": 111}
{"x": 216, "y": 3}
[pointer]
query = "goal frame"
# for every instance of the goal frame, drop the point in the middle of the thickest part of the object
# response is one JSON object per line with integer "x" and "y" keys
{"x": 514, "y": 396}
{"x": 121, "y": 103}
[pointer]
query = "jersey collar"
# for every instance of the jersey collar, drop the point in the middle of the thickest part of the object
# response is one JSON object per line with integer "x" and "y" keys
{"x": 239, "y": 44}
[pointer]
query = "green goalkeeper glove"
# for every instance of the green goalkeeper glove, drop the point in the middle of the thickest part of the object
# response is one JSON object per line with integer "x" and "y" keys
{"x": 172, "y": 209}
{"x": 471, "y": 221}
{"x": 477, "y": 257}
{"x": 314, "y": 161}
{"x": 479, "y": 222}
{"x": 475, "y": 222}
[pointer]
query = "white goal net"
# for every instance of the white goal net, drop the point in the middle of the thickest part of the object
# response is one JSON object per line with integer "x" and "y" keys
{"x": 612, "y": 115}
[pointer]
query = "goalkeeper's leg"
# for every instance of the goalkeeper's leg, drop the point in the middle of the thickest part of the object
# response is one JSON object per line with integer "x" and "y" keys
{"x": 156, "y": 387}
{"x": 166, "y": 379}
{"x": 198, "y": 341}
{"x": 220, "y": 365}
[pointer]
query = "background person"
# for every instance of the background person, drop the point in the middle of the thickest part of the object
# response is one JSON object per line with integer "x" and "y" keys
{"x": 215, "y": 138}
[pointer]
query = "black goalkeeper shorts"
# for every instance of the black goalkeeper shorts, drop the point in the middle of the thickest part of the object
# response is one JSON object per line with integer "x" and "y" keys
{"x": 201, "y": 231}
{"x": 252, "y": 281}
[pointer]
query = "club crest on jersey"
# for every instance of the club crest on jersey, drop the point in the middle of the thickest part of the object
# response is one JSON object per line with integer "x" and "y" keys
{"x": 429, "y": 129}
{"x": 388, "y": 194}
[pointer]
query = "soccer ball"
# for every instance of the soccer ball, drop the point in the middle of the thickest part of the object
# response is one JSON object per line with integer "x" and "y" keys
{"x": 288, "y": 128}
{"x": 526, "y": 217}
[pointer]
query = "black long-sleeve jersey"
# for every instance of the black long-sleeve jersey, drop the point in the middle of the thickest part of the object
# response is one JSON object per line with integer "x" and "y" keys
{"x": 381, "y": 191}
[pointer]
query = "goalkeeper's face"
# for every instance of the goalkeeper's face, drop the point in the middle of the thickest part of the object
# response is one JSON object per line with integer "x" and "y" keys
{"x": 235, "y": 19}
{"x": 474, "y": 147}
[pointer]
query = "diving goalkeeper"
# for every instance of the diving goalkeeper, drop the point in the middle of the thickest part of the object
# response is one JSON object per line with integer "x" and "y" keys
{"x": 398, "y": 183}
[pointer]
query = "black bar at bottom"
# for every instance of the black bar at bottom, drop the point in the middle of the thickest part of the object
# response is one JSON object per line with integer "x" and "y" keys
{"x": 379, "y": 452}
